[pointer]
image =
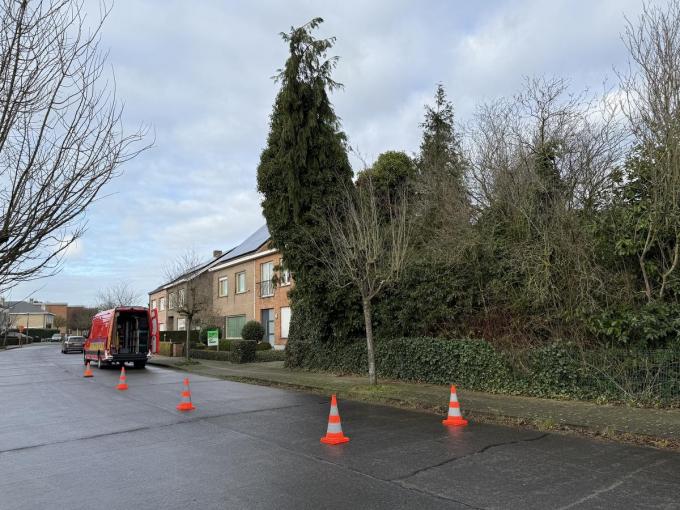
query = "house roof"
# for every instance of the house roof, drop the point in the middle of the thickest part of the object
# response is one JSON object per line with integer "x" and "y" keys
{"x": 191, "y": 273}
{"x": 26, "y": 307}
{"x": 251, "y": 244}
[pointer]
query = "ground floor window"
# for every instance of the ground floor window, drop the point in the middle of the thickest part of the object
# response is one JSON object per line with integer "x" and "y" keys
{"x": 285, "y": 321}
{"x": 235, "y": 324}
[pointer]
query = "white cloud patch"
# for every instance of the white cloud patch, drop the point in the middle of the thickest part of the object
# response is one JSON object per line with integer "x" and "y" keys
{"x": 201, "y": 77}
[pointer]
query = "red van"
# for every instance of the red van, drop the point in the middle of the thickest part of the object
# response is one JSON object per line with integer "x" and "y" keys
{"x": 123, "y": 334}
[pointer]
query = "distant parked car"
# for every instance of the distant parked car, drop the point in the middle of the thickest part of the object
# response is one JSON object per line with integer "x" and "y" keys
{"x": 72, "y": 344}
{"x": 56, "y": 337}
{"x": 17, "y": 337}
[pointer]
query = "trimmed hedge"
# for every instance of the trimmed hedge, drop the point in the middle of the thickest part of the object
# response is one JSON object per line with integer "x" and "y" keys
{"x": 40, "y": 333}
{"x": 554, "y": 371}
{"x": 471, "y": 363}
{"x": 214, "y": 355}
{"x": 178, "y": 337}
{"x": 243, "y": 351}
{"x": 252, "y": 330}
{"x": 270, "y": 355}
{"x": 263, "y": 346}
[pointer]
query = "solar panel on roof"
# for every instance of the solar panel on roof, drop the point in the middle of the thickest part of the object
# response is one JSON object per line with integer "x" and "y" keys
{"x": 252, "y": 243}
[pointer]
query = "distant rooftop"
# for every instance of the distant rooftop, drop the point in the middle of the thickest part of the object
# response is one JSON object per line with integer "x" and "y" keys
{"x": 25, "y": 307}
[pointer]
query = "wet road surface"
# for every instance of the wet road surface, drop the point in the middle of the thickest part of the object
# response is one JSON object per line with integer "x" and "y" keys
{"x": 67, "y": 442}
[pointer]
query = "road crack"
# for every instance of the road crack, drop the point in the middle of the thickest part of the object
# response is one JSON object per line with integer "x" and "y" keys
{"x": 612, "y": 486}
{"x": 471, "y": 454}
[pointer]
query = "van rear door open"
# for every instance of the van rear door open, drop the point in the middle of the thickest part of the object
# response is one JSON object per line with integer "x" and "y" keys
{"x": 123, "y": 334}
{"x": 131, "y": 332}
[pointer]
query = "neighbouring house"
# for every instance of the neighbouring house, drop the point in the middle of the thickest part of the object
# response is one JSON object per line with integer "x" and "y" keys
{"x": 60, "y": 311}
{"x": 29, "y": 314}
{"x": 194, "y": 286}
{"x": 246, "y": 283}
{"x": 249, "y": 285}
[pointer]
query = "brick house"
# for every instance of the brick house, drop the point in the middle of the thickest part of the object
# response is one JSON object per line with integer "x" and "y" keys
{"x": 272, "y": 306}
{"x": 60, "y": 311}
{"x": 245, "y": 283}
{"x": 244, "y": 289}
{"x": 195, "y": 284}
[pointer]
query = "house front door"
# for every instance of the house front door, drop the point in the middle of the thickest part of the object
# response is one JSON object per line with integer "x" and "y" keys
{"x": 267, "y": 321}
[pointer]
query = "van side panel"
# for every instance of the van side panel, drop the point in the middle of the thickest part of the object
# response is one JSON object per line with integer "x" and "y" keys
{"x": 99, "y": 339}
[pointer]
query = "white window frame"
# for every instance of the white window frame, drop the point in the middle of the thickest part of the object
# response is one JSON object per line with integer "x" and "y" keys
{"x": 153, "y": 304}
{"x": 181, "y": 324}
{"x": 224, "y": 279}
{"x": 161, "y": 304}
{"x": 270, "y": 286}
{"x": 181, "y": 296}
{"x": 226, "y": 325}
{"x": 285, "y": 310}
{"x": 172, "y": 301}
{"x": 237, "y": 284}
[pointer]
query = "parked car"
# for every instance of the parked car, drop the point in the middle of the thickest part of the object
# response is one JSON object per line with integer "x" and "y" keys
{"x": 16, "y": 338}
{"x": 72, "y": 344}
{"x": 56, "y": 337}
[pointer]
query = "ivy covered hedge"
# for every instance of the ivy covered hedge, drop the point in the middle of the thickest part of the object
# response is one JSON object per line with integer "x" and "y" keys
{"x": 553, "y": 371}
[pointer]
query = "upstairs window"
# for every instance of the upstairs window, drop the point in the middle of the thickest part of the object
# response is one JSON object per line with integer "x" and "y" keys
{"x": 240, "y": 282}
{"x": 222, "y": 286}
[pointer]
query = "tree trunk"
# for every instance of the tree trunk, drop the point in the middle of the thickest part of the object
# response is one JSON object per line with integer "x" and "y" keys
{"x": 372, "y": 377}
{"x": 188, "y": 341}
{"x": 648, "y": 287}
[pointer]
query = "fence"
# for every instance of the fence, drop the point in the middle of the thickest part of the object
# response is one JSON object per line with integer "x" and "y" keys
{"x": 649, "y": 377}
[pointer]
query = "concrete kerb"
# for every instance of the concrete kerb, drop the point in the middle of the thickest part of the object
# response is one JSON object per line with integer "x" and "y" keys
{"x": 486, "y": 408}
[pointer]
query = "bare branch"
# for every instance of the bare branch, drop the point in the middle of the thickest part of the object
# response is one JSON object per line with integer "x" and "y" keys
{"x": 61, "y": 137}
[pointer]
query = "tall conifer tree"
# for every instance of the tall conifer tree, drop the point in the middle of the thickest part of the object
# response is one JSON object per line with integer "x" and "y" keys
{"x": 301, "y": 171}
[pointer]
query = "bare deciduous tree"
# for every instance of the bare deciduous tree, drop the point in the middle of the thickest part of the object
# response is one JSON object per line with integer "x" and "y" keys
{"x": 61, "y": 137}
{"x": 193, "y": 291}
{"x": 652, "y": 105}
{"x": 368, "y": 248}
{"x": 120, "y": 294}
{"x": 540, "y": 165}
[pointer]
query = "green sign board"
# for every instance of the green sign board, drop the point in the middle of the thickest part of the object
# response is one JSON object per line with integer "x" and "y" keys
{"x": 213, "y": 337}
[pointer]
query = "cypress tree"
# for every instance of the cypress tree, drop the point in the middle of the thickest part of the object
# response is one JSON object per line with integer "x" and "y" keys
{"x": 301, "y": 171}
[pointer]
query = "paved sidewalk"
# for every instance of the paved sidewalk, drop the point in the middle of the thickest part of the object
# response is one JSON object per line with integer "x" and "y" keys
{"x": 545, "y": 413}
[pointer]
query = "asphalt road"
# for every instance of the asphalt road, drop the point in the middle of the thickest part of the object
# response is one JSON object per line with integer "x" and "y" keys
{"x": 72, "y": 443}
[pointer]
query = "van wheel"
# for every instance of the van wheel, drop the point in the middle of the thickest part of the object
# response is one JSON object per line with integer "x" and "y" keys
{"x": 140, "y": 364}
{"x": 84, "y": 359}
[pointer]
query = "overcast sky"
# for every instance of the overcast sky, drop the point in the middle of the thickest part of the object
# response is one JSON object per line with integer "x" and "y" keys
{"x": 199, "y": 73}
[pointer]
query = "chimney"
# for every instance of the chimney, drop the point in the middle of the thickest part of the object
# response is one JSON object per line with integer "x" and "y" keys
{"x": 217, "y": 253}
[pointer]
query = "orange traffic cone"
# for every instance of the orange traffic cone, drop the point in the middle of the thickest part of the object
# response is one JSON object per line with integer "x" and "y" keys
{"x": 88, "y": 371}
{"x": 454, "y": 419}
{"x": 185, "y": 404}
{"x": 334, "y": 433}
{"x": 122, "y": 384}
